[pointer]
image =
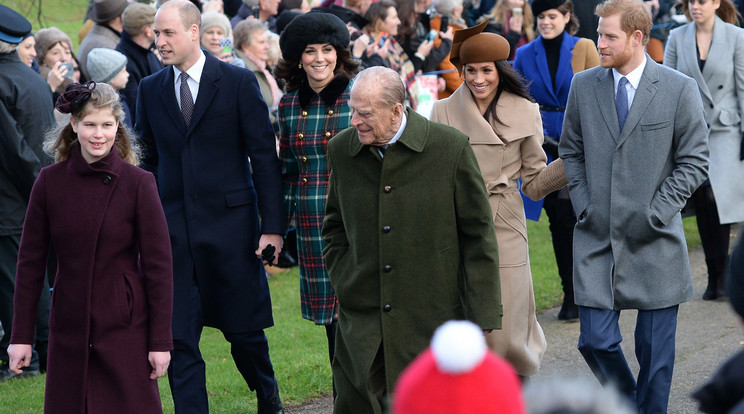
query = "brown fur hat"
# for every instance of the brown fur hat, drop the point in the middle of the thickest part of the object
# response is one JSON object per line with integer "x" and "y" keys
{"x": 471, "y": 46}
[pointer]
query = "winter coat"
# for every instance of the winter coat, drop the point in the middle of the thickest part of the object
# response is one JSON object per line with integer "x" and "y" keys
{"x": 25, "y": 114}
{"x": 628, "y": 187}
{"x": 308, "y": 120}
{"x": 100, "y": 35}
{"x": 410, "y": 246}
{"x": 112, "y": 295}
{"x": 531, "y": 62}
{"x": 721, "y": 85}
{"x": 514, "y": 152}
{"x": 141, "y": 63}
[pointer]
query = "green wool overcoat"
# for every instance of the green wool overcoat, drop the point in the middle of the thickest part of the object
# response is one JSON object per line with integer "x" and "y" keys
{"x": 411, "y": 245}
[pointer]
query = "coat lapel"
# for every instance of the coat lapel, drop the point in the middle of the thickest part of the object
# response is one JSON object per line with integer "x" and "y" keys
{"x": 604, "y": 93}
{"x": 565, "y": 69}
{"x": 715, "y": 54}
{"x": 169, "y": 102}
{"x": 207, "y": 88}
{"x": 643, "y": 96}
{"x": 542, "y": 68}
{"x": 689, "y": 56}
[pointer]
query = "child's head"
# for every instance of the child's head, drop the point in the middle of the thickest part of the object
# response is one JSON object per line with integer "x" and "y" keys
{"x": 84, "y": 102}
{"x": 108, "y": 66}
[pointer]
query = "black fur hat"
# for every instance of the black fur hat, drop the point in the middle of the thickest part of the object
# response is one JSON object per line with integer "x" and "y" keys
{"x": 310, "y": 28}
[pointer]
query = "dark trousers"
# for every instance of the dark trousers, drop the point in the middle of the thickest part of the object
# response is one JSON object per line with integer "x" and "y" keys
{"x": 562, "y": 223}
{"x": 713, "y": 235}
{"x": 187, "y": 373}
{"x": 8, "y": 257}
{"x": 599, "y": 344}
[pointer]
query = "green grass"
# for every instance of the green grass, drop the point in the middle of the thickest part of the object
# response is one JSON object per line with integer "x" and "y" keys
{"x": 67, "y": 15}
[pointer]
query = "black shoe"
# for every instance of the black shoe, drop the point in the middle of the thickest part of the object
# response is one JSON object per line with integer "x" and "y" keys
{"x": 569, "y": 312}
{"x": 286, "y": 260}
{"x": 7, "y": 374}
{"x": 271, "y": 406}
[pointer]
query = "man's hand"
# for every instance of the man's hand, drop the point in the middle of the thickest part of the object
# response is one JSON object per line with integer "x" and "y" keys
{"x": 275, "y": 240}
{"x": 159, "y": 362}
{"x": 19, "y": 356}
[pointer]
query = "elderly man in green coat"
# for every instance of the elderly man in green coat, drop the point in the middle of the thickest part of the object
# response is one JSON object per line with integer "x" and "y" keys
{"x": 410, "y": 240}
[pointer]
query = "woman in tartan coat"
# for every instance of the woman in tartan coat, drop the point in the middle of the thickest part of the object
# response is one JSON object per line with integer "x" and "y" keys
{"x": 317, "y": 67}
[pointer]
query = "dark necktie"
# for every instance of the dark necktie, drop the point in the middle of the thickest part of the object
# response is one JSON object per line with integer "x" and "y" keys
{"x": 187, "y": 102}
{"x": 621, "y": 101}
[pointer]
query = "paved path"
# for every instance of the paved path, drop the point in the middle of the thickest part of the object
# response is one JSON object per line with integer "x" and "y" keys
{"x": 707, "y": 332}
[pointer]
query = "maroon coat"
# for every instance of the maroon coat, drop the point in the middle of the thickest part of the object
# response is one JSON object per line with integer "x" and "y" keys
{"x": 112, "y": 298}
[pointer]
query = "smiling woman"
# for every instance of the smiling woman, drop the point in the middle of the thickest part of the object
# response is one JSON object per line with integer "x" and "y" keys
{"x": 494, "y": 108}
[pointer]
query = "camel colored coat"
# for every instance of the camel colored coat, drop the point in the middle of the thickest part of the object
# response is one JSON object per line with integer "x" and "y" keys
{"x": 516, "y": 151}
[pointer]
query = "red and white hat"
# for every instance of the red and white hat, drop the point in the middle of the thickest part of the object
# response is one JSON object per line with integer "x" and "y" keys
{"x": 457, "y": 374}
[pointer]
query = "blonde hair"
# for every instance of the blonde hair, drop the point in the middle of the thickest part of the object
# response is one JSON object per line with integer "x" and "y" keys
{"x": 60, "y": 141}
{"x": 498, "y": 12}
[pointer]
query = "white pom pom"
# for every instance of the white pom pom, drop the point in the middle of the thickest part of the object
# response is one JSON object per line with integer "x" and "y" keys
{"x": 458, "y": 347}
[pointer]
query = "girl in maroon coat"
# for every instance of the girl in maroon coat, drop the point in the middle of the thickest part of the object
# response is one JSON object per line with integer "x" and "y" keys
{"x": 110, "y": 323}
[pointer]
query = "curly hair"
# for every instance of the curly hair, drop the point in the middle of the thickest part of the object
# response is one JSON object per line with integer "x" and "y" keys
{"x": 61, "y": 141}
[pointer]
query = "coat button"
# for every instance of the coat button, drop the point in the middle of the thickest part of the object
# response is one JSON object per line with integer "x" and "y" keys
{"x": 711, "y": 106}
{"x": 386, "y": 229}
{"x": 300, "y": 136}
{"x": 387, "y": 308}
{"x": 330, "y": 112}
{"x": 388, "y": 188}
{"x": 304, "y": 180}
{"x": 304, "y": 159}
{"x": 304, "y": 113}
{"x": 106, "y": 180}
{"x": 328, "y": 134}
{"x": 387, "y": 268}
{"x": 720, "y": 86}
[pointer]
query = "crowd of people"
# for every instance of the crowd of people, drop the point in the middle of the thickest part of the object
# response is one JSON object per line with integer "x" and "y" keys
{"x": 180, "y": 121}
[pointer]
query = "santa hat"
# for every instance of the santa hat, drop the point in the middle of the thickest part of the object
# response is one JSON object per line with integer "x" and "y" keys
{"x": 457, "y": 374}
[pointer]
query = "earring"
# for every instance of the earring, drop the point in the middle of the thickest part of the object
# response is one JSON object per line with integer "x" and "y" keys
{"x": 299, "y": 66}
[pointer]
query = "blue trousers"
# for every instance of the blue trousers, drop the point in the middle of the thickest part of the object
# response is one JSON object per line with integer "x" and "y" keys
{"x": 187, "y": 371}
{"x": 599, "y": 344}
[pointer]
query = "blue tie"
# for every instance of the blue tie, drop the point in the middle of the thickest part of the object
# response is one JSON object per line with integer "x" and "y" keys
{"x": 621, "y": 101}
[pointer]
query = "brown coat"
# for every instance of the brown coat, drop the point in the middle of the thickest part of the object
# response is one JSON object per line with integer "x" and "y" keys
{"x": 516, "y": 152}
{"x": 112, "y": 298}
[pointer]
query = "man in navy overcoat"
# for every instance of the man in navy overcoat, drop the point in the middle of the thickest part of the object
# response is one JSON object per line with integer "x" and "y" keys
{"x": 212, "y": 148}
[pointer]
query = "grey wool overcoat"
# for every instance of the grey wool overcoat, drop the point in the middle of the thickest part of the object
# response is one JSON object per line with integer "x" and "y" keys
{"x": 628, "y": 187}
{"x": 410, "y": 245}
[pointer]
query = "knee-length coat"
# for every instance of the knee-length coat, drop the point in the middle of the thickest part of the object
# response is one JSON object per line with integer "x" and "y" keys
{"x": 409, "y": 247}
{"x": 307, "y": 121}
{"x": 113, "y": 291}
{"x": 514, "y": 151}
{"x": 721, "y": 85}
{"x": 531, "y": 62}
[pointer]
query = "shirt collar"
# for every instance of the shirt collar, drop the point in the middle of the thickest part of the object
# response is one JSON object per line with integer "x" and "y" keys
{"x": 634, "y": 77}
{"x": 403, "y": 122}
{"x": 194, "y": 71}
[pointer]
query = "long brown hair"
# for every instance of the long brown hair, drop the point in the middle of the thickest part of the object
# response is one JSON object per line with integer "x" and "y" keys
{"x": 61, "y": 141}
{"x": 727, "y": 11}
{"x": 497, "y": 13}
{"x": 510, "y": 81}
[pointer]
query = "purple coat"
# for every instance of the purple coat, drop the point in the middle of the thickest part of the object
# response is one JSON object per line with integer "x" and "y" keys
{"x": 112, "y": 297}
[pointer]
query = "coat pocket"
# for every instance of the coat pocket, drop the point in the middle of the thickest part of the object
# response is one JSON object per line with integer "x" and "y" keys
{"x": 126, "y": 298}
{"x": 729, "y": 118}
{"x": 656, "y": 125}
{"x": 240, "y": 197}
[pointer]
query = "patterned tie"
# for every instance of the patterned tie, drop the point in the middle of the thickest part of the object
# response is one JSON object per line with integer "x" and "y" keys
{"x": 621, "y": 101}
{"x": 187, "y": 102}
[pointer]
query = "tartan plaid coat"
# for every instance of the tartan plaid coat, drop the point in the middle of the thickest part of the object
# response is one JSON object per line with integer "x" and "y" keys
{"x": 307, "y": 121}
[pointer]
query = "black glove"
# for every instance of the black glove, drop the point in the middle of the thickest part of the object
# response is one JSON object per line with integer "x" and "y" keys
{"x": 267, "y": 254}
{"x": 550, "y": 146}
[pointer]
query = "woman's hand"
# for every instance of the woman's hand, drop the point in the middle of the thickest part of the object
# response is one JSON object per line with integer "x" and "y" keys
{"x": 515, "y": 24}
{"x": 225, "y": 57}
{"x": 448, "y": 34}
{"x": 360, "y": 45}
{"x": 19, "y": 356}
{"x": 382, "y": 51}
{"x": 56, "y": 76}
{"x": 159, "y": 362}
{"x": 213, "y": 5}
{"x": 424, "y": 48}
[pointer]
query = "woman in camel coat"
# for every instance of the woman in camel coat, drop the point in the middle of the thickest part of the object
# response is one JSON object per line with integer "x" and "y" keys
{"x": 507, "y": 142}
